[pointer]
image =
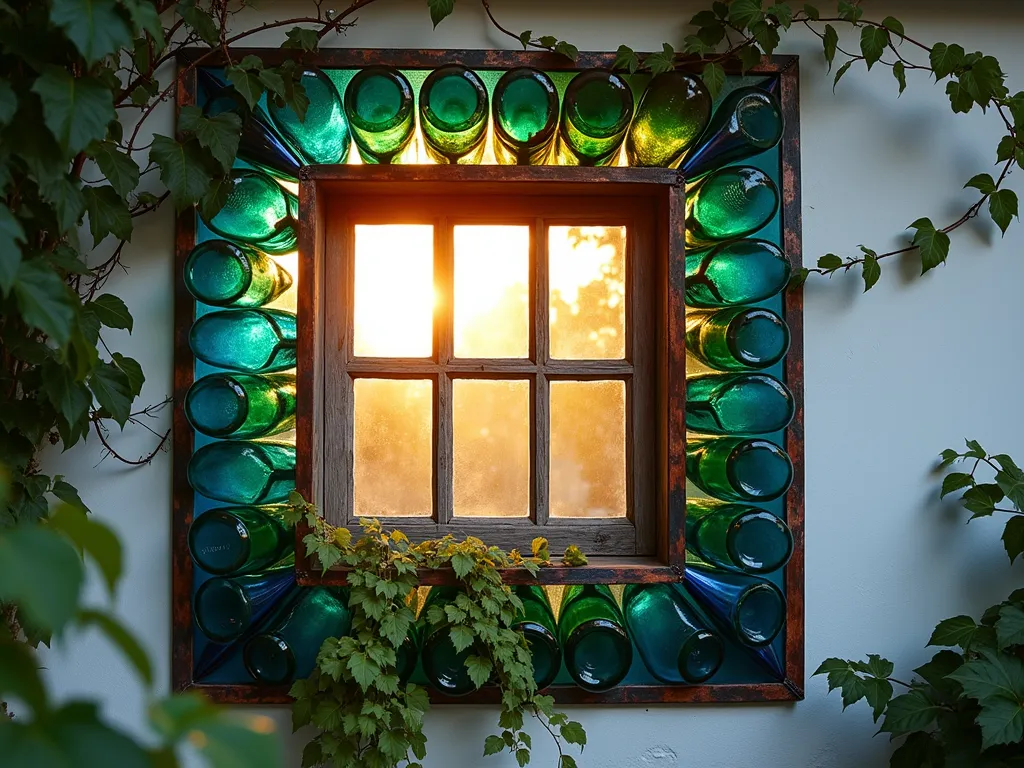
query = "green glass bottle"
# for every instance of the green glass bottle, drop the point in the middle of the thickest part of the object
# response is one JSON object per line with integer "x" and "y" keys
{"x": 738, "y": 468}
{"x": 727, "y": 204}
{"x": 674, "y": 642}
{"x": 242, "y": 472}
{"x": 259, "y": 212}
{"x": 443, "y": 666}
{"x": 670, "y": 117}
{"x": 596, "y": 111}
{"x": 322, "y": 137}
{"x": 408, "y": 654}
{"x": 379, "y": 105}
{"x": 242, "y": 406}
{"x": 747, "y": 123}
{"x": 224, "y": 609}
{"x": 597, "y": 649}
{"x": 737, "y": 404}
{"x": 524, "y": 116}
{"x": 288, "y": 649}
{"x": 224, "y": 274}
{"x": 537, "y": 623}
{"x": 751, "y": 609}
{"x": 453, "y": 115}
{"x": 229, "y": 541}
{"x": 247, "y": 340}
{"x": 734, "y": 273}
{"x": 736, "y": 338}
{"x": 737, "y": 536}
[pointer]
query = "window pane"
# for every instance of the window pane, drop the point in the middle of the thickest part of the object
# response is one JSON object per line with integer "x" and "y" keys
{"x": 492, "y": 448}
{"x": 492, "y": 295}
{"x": 394, "y": 290}
{"x": 587, "y": 292}
{"x": 393, "y": 456}
{"x": 588, "y": 449}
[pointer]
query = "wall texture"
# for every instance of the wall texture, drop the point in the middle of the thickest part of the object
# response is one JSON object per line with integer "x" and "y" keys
{"x": 892, "y": 377}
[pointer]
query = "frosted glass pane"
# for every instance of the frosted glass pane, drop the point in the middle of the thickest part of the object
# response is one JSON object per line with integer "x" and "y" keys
{"x": 588, "y": 449}
{"x": 587, "y": 292}
{"x": 393, "y": 447}
{"x": 492, "y": 448}
{"x": 492, "y": 295}
{"x": 394, "y": 290}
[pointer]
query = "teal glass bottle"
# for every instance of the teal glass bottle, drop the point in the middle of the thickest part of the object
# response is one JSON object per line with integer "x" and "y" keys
{"x": 379, "y": 106}
{"x": 737, "y": 536}
{"x": 749, "y": 608}
{"x": 453, "y": 115}
{"x": 322, "y": 137}
{"x": 594, "y": 641}
{"x": 596, "y": 111}
{"x": 242, "y": 472}
{"x": 287, "y": 650}
{"x": 738, "y": 468}
{"x": 229, "y": 541}
{"x": 736, "y": 272}
{"x": 736, "y": 338}
{"x": 246, "y": 340}
{"x": 672, "y": 113}
{"x": 224, "y": 608}
{"x": 225, "y": 274}
{"x": 408, "y": 654}
{"x": 537, "y": 623}
{"x": 737, "y": 404}
{"x": 730, "y": 203}
{"x": 259, "y": 212}
{"x": 674, "y": 642}
{"x": 241, "y": 405}
{"x": 443, "y": 666}
{"x": 524, "y": 117}
{"x": 747, "y": 123}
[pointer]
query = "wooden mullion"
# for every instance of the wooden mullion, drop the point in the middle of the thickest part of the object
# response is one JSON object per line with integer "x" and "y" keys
{"x": 540, "y": 416}
{"x": 444, "y": 331}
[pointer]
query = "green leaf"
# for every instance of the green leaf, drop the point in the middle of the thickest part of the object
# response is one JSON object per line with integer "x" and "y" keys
{"x": 1001, "y": 721}
{"x": 849, "y": 11}
{"x": 871, "y": 271}
{"x": 246, "y": 83}
{"x": 479, "y": 669}
{"x": 912, "y": 711}
{"x": 840, "y": 72}
{"x": 1002, "y": 206}
{"x": 782, "y": 13}
{"x": 440, "y": 10}
{"x": 573, "y": 733}
{"x": 108, "y": 213}
{"x": 959, "y": 630}
{"x": 11, "y": 234}
{"x": 919, "y": 750}
{"x": 873, "y": 42}
{"x": 122, "y": 638}
{"x": 877, "y": 693}
{"x": 113, "y": 391}
{"x": 893, "y": 25}
{"x": 547, "y": 41}
{"x": 94, "y": 26}
{"x": 811, "y": 12}
{"x": 954, "y": 481}
{"x": 899, "y": 71}
{"x": 493, "y": 745}
{"x": 41, "y": 573}
{"x": 983, "y": 182}
{"x": 1011, "y": 481}
{"x": 44, "y": 300}
{"x": 975, "y": 450}
{"x": 1010, "y": 626}
{"x": 830, "y": 42}
{"x": 363, "y": 669}
{"x": 749, "y": 57}
{"x": 117, "y": 167}
{"x": 744, "y": 13}
{"x": 523, "y": 757}
{"x": 983, "y": 80}
{"x": 463, "y": 564}
{"x": 76, "y": 110}
{"x": 568, "y": 50}
{"x": 92, "y": 537}
{"x": 625, "y": 58}
{"x": 766, "y": 35}
{"x": 936, "y": 672}
{"x": 1013, "y": 537}
{"x": 982, "y": 499}
{"x": 181, "y": 168}
{"x": 959, "y": 99}
{"x": 146, "y": 18}
{"x": 934, "y": 245}
{"x": 19, "y": 676}
{"x": 462, "y": 637}
{"x": 994, "y": 674}
{"x": 526, "y": 37}
{"x": 566, "y": 761}
{"x": 302, "y": 39}
{"x": 8, "y": 102}
{"x": 661, "y": 61}
{"x": 200, "y": 21}
{"x": 1007, "y": 149}
{"x": 68, "y": 494}
{"x": 713, "y": 76}
{"x": 111, "y": 311}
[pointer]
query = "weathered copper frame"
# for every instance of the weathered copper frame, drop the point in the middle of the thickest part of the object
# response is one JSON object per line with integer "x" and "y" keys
{"x": 790, "y": 689}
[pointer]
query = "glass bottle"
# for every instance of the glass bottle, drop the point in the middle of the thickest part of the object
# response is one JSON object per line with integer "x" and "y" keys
{"x": 596, "y": 111}
{"x": 259, "y": 212}
{"x": 453, "y": 115}
{"x": 674, "y": 641}
{"x": 738, "y": 468}
{"x": 670, "y": 117}
{"x": 408, "y": 654}
{"x": 247, "y": 340}
{"x": 737, "y": 404}
{"x": 597, "y": 649}
{"x": 537, "y": 623}
{"x": 734, "y": 273}
{"x": 746, "y": 123}
{"x": 224, "y": 608}
{"x": 525, "y": 117}
{"x": 287, "y": 650}
{"x": 242, "y": 472}
{"x": 750, "y": 608}
{"x": 322, "y": 137}
{"x": 443, "y": 666}
{"x": 259, "y": 144}
{"x": 242, "y": 405}
{"x": 737, "y": 536}
{"x": 736, "y": 338}
{"x": 729, "y": 203}
{"x": 224, "y": 274}
{"x": 234, "y": 540}
{"x": 379, "y": 106}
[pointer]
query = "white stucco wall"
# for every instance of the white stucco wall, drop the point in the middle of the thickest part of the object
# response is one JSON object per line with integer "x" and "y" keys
{"x": 892, "y": 377}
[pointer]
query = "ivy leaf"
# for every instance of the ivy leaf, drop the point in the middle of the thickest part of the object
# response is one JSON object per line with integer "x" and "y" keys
{"x": 247, "y": 84}
{"x": 899, "y": 71}
{"x": 117, "y": 167}
{"x": 67, "y": 396}
{"x": 744, "y": 13}
{"x": 766, "y": 35}
{"x": 40, "y": 572}
{"x": 75, "y": 109}
{"x": 983, "y": 182}
{"x": 1011, "y": 481}
{"x": 849, "y": 11}
{"x": 1010, "y": 627}
{"x": 220, "y": 135}
{"x": 526, "y": 37}
{"x": 523, "y": 757}
{"x": 440, "y": 10}
{"x": 982, "y": 499}
{"x": 108, "y": 213}
{"x": 479, "y": 669}
{"x": 113, "y": 391}
{"x": 811, "y": 12}
{"x": 839, "y": 74}
{"x": 19, "y": 675}
{"x": 566, "y": 761}
{"x": 782, "y": 13}
{"x": 44, "y": 300}
{"x": 301, "y": 39}
{"x": 873, "y": 42}
{"x": 1002, "y": 721}
{"x": 713, "y": 77}
{"x": 871, "y": 271}
{"x": 661, "y": 61}
{"x": 111, "y": 311}
{"x": 831, "y": 44}
{"x": 877, "y": 693}
{"x": 547, "y": 41}
{"x": 11, "y": 234}
{"x": 625, "y": 58}
{"x": 959, "y": 98}
{"x": 936, "y": 672}
{"x": 94, "y": 539}
{"x": 463, "y": 564}
{"x": 573, "y": 557}
{"x": 200, "y": 21}
{"x": 894, "y": 25}
{"x": 830, "y": 261}
{"x": 568, "y": 50}
{"x": 934, "y": 245}
{"x": 1002, "y": 206}
{"x": 462, "y": 637}
{"x": 959, "y": 631}
{"x": 749, "y": 57}
{"x": 1013, "y": 537}
{"x": 573, "y": 733}
{"x": 1007, "y": 148}
{"x": 954, "y": 481}
{"x": 913, "y": 711}
{"x": 983, "y": 80}
{"x": 995, "y": 674}
{"x": 182, "y": 169}
{"x": 974, "y": 449}
{"x": 493, "y": 745}
{"x": 363, "y": 669}
{"x": 94, "y": 26}
{"x": 8, "y": 102}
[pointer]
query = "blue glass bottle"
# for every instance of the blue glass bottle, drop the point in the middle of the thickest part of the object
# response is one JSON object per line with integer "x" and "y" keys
{"x": 225, "y": 274}
{"x": 597, "y": 650}
{"x": 738, "y": 468}
{"x": 224, "y": 608}
{"x": 735, "y": 272}
{"x": 242, "y": 472}
{"x": 736, "y": 338}
{"x": 247, "y": 340}
{"x": 241, "y": 405}
{"x": 258, "y": 211}
{"x": 737, "y": 404}
{"x": 322, "y": 137}
{"x": 751, "y": 609}
{"x": 229, "y": 541}
{"x": 737, "y": 536}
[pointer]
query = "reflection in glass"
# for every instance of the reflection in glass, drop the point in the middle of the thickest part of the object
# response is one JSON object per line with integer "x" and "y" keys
{"x": 588, "y": 449}
{"x": 587, "y": 284}
{"x": 492, "y": 297}
{"x": 393, "y": 456}
{"x": 394, "y": 290}
{"x": 492, "y": 448}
